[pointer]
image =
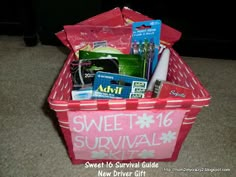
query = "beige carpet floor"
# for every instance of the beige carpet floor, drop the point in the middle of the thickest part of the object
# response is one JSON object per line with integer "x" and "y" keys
{"x": 31, "y": 144}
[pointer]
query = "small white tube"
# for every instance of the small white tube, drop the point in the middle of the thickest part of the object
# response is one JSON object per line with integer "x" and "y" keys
{"x": 161, "y": 70}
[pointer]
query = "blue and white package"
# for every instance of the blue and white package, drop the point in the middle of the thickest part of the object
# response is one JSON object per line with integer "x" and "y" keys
{"x": 116, "y": 86}
{"x": 145, "y": 42}
{"x": 82, "y": 93}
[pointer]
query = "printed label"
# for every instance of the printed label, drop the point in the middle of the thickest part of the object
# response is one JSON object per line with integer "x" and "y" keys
{"x": 149, "y": 134}
{"x": 136, "y": 95}
{"x": 99, "y": 44}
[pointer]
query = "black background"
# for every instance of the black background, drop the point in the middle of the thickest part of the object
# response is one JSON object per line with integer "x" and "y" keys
{"x": 207, "y": 27}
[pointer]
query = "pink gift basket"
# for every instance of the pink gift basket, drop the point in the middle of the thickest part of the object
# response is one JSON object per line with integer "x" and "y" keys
{"x": 127, "y": 130}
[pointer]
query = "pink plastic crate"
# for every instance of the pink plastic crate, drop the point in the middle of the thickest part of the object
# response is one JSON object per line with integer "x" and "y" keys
{"x": 127, "y": 130}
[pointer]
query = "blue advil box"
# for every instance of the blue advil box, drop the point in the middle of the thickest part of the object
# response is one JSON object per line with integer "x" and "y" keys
{"x": 111, "y": 86}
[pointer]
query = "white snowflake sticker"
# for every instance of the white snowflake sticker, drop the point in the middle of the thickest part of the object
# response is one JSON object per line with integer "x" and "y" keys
{"x": 168, "y": 137}
{"x": 98, "y": 154}
{"x": 146, "y": 154}
{"x": 145, "y": 121}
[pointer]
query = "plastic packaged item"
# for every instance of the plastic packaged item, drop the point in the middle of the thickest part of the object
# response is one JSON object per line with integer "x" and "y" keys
{"x": 146, "y": 42}
{"x": 169, "y": 35}
{"x": 83, "y": 71}
{"x": 165, "y": 89}
{"x": 116, "y": 86}
{"x": 84, "y": 93}
{"x": 99, "y": 38}
{"x": 130, "y": 65}
{"x": 112, "y": 17}
{"x": 161, "y": 70}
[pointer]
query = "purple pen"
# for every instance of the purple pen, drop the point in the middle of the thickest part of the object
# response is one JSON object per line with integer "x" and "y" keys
{"x": 150, "y": 58}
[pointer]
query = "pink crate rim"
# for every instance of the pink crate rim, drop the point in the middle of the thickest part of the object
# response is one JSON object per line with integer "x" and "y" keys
{"x": 146, "y": 103}
{"x": 120, "y": 104}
